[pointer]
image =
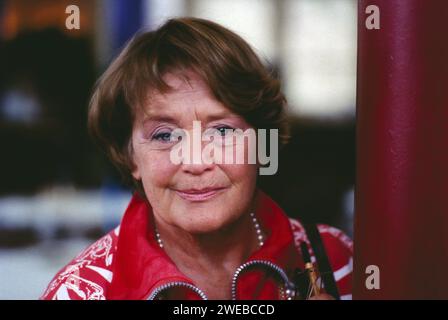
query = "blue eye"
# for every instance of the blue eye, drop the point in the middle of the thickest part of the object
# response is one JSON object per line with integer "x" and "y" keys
{"x": 223, "y": 130}
{"x": 162, "y": 136}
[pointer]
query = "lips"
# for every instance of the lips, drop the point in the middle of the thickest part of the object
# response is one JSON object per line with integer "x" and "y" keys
{"x": 199, "y": 194}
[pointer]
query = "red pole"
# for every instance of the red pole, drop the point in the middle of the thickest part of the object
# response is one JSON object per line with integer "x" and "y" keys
{"x": 401, "y": 201}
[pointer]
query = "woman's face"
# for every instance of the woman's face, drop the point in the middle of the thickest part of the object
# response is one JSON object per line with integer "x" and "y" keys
{"x": 196, "y": 197}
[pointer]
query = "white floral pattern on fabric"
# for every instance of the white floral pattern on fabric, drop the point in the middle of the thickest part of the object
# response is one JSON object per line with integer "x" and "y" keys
{"x": 88, "y": 275}
{"x": 74, "y": 281}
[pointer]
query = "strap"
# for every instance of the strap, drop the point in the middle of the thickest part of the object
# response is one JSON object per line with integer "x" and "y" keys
{"x": 323, "y": 263}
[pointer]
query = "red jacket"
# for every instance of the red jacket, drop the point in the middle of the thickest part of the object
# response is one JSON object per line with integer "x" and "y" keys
{"x": 127, "y": 263}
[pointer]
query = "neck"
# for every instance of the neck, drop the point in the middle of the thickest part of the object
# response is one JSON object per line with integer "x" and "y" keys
{"x": 210, "y": 259}
{"x": 226, "y": 247}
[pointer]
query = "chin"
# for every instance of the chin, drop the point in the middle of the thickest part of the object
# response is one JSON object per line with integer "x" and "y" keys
{"x": 206, "y": 220}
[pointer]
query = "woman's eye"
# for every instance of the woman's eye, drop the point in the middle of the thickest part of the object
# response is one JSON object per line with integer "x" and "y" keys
{"x": 224, "y": 130}
{"x": 162, "y": 136}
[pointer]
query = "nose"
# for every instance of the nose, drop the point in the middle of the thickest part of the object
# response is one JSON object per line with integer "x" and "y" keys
{"x": 197, "y": 169}
{"x": 194, "y": 160}
{"x": 198, "y": 162}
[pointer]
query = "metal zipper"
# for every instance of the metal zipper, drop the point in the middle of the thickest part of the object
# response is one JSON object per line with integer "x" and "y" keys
{"x": 288, "y": 294}
{"x": 157, "y": 291}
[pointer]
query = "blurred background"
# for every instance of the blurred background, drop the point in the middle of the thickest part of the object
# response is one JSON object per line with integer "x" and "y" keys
{"x": 58, "y": 193}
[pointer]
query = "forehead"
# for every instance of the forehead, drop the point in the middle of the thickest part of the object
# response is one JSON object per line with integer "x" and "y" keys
{"x": 184, "y": 81}
{"x": 188, "y": 93}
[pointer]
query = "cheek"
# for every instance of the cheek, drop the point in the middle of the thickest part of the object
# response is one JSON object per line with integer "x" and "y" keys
{"x": 241, "y": 174}
{"x": 155, "y": 169}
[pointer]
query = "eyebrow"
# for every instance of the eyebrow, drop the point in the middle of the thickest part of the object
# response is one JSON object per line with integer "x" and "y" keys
{"x": 155, "y": 117}
{"x": 170, "y": 119}
{"x": 220, "y": 115}
{"x": 159, "y": 118}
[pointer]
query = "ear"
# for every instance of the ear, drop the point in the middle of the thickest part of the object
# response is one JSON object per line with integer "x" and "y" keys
{"x": 136, "y": 172}
{"x": 134, "y": 167}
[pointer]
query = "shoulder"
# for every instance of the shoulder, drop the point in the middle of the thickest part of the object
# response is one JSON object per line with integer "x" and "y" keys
{"x": 88, "y": 275}
{"x": 339, "y": 249}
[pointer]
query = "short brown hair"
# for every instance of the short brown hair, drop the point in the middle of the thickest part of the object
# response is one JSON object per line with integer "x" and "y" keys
{"x": 229, "y": 66}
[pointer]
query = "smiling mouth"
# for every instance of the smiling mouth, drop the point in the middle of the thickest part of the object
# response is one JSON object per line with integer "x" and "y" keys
{"x": 195, "y": 195}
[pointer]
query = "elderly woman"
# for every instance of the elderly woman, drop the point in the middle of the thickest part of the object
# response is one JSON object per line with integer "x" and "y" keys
{"x": 193, "y": 229}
